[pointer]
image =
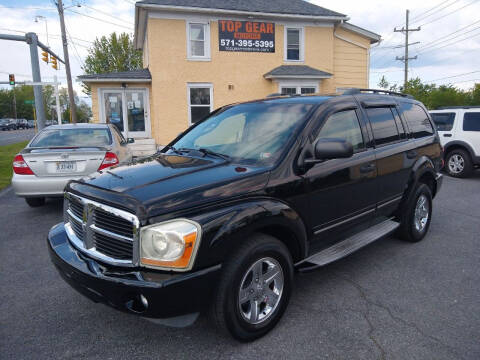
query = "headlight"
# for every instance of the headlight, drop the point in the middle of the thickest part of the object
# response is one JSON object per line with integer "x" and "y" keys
{"x": 172, "y": 244}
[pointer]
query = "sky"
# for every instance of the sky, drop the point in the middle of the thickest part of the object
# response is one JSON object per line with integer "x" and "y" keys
{"x": 448, "y": 51}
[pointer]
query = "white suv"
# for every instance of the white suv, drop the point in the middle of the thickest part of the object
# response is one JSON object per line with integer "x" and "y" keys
{"x": 459, "y": 131}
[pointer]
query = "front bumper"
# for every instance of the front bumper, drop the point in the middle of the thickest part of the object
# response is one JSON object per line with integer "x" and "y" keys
{"x": 35, "y": 186}
{"x": 155, "y": 294}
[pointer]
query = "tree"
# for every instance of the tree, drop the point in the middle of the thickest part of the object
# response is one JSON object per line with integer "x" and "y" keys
{"x": 112, "y": 54}
{"x": 434, "y": 96}
{"x": 383, "y": 83}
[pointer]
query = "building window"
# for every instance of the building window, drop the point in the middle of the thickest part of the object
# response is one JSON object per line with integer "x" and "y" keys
{"x": 198, "y": 44}
{"x": 200, "y": 101}
{"x": 294, "y": 44}
{"x": 298, "y": 89}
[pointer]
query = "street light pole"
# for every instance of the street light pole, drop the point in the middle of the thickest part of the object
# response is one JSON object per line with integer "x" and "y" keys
{"x": 73, "y": 112}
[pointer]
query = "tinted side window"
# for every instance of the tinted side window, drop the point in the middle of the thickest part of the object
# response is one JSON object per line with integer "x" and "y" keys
{"x": 343, "y": 125}
{"x": 443, "y": 121}
{"x": 417, "y": 120}
{"x": 383, "y": 125}
{"x": 471, "y": 121}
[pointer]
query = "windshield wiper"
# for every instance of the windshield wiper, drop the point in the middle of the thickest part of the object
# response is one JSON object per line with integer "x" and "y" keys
{"x": 205, "y": 151}
{"x": 213, "y": 153}
{"x": 169, "y": 147}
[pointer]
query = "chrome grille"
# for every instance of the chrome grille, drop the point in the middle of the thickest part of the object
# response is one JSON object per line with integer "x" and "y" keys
{"x": 107, "y": 221}
{"x": 103, "y": 232}
{"x": 117, "y": 249}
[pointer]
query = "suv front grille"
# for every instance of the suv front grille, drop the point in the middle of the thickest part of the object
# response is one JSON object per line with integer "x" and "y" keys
{"x": 103, "y": 232}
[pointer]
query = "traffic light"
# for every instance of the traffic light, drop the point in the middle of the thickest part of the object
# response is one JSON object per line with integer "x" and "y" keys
{"x": 45, "y": 56}
{"x": 11, "y": 78}
{"x": 54, "y": 62}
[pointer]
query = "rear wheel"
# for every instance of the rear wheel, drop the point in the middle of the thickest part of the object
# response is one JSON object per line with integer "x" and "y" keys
{"x": 417, "y": 215}
{"x": 35, "y": 202}
{"x": 255, "y": 288}
{"x": 458, "y": 163}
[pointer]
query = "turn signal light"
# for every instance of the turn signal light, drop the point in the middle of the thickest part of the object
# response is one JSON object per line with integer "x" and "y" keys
{"x": 110, "y": 160}
{"x": 20, "y": 166}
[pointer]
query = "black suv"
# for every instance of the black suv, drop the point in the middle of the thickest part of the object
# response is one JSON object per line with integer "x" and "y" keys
{"x": 222, "y": 217}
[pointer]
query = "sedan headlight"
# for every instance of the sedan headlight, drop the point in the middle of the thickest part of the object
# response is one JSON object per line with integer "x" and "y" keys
{"x": 170, "y": 245}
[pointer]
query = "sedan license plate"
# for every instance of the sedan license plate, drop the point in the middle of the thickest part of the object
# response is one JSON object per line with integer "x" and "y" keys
{"x": 66, "y": 166}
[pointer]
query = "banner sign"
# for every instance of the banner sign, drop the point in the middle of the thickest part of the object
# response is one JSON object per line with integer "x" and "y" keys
{"x": 250, "y": 36}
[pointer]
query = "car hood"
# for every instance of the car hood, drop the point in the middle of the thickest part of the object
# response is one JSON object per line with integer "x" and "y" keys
{"x": 165, "y": 183}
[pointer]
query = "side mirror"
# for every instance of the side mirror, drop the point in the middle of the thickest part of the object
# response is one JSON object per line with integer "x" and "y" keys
{"x": 130, "y": 140}
{"x": 331, "y": 148}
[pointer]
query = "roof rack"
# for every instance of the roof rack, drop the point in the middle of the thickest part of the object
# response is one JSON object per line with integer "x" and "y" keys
{"x": 459, "y": 107}
{"x": 353, "y": 91}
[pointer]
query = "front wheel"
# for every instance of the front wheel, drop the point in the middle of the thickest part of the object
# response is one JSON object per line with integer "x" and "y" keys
{"x": 417, "y": 215}
{"x": 255, "y": 288}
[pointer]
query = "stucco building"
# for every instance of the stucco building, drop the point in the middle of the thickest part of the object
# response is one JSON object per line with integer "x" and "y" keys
{"x": 202, "y": 54}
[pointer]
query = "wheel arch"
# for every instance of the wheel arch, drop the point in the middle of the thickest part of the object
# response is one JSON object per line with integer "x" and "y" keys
{"x": 459, "y": 144}
{"x": 226, "y": 229}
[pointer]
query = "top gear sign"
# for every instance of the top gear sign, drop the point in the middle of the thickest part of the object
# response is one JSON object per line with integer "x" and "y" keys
{"x": 249, "y": 36}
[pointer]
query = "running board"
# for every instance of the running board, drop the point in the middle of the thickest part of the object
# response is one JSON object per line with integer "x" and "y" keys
{"x": 348, "y": 246}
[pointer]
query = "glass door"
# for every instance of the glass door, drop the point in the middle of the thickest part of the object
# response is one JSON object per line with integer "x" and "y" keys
{"x": 113, "y": 108}
{"x": 128, "y": 111}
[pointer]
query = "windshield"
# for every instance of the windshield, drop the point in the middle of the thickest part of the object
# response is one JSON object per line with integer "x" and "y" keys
{"x": 3, "y": 121}
{"x": 248, "y": 133}
{"x": 72, "y": 138}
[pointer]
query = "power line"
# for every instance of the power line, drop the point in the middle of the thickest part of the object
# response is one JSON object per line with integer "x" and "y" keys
{"x": 433, "y": 8}
{"x": 448, "y": 35}
{"x": 437, "y": 11}
{"x": 453, "y": 76}
{"x": 98, "y": 19}
{"x": 107, "y": 14}
{"x": 441, "y": 47}
{"x": 450, "y": 13}
{"x": 422, "y": 49}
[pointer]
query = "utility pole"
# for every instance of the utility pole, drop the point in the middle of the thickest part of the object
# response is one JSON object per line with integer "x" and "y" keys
{"x": 57, "y": 100}
{"x": 32, "y": 40}
{"x": 73, "y": 112}
{"x": 405, "y": 58}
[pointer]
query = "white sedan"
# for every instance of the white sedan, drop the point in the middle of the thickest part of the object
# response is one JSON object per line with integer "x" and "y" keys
{"x": 60, "y": 153}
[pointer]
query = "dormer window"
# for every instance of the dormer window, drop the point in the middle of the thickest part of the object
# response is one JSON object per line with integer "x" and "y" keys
{"x": 198, "y": 44}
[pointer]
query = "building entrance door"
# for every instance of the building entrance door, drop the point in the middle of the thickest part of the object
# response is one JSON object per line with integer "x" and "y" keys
{"x": 127, "y": 109}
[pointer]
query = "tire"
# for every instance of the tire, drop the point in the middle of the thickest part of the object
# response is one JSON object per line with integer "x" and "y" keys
{"x": 35, "y": 201}
{"x": 413, "y": 228}
{"x": 235, "y": 316}
{"x": 458, "y": 163}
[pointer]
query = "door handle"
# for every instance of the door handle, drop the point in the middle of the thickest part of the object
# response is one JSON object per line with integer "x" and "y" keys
{"x": 447, "y": 135}
{"x": 367, "y": 168}
{"x": 412, "y": 154}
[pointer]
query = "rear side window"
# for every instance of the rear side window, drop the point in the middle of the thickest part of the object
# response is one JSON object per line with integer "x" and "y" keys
{"x": 443, "y": 121}
{"x": 471, "y": 121}
{"x": 383, "y": 125}
{"x": 417, "y": 120}
{"x": 344, "y": 125}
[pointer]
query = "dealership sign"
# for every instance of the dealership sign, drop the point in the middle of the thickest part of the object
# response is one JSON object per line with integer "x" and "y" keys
{"x": 250, "y": 36}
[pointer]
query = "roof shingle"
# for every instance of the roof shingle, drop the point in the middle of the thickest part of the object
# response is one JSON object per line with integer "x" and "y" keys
{"x": 297, "y": 7}
{"x": 296, "y": 70}
{"x": 141, "y": 74}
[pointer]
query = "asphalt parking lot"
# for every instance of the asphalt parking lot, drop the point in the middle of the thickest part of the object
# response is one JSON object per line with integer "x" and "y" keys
{"x": 390, "y": 300}
{"x": 15, "y": 136}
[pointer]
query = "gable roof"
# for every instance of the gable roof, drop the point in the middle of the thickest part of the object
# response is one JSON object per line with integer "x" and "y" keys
{"x": 297, "y": 7}
{"x": 296, "y": 71}
{"x": 141, "y": 75}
